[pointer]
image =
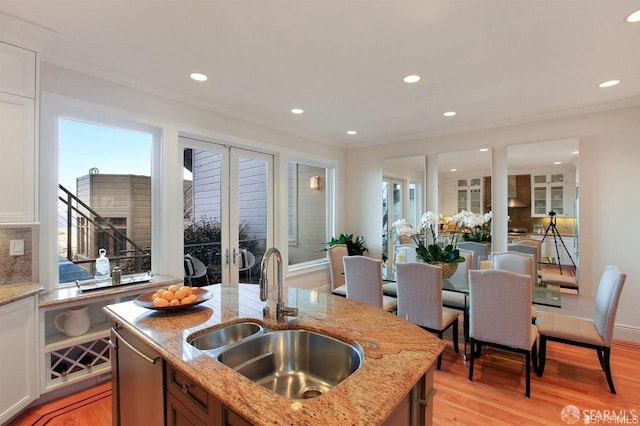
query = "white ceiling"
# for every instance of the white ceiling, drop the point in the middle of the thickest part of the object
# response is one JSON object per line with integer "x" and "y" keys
{"x": 494, "y": 62}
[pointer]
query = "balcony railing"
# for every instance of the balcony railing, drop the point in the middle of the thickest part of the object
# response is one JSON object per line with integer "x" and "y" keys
{"x": 81, "y": 230}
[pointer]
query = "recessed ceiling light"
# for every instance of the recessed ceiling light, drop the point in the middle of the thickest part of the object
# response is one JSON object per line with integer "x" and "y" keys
{"x": 454, "y": 170}
{"x": 297, "y": 110}
{"x": 197, "y": 76}
{"x": 449, "y": 113}
{"x": 411, "y": 78}
{"x": 609, "y": 83}
{"x": 557, "y": 162}
{"x": 352, "y": 132}
{"x": 484, "y": 149}
{"x": 634, "y": 17}
{"x": 575, "y": 152}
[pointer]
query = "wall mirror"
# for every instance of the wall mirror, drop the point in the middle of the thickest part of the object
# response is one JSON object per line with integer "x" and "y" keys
{"x": 403, "y": 193}
{"x": 307, "y": 212}
{"x": 464, "y": 182}
{"x": 543, "y": 198}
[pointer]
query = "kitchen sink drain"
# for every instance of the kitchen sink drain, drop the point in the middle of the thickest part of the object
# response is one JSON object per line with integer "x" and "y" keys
{"x": 311, "y": 393}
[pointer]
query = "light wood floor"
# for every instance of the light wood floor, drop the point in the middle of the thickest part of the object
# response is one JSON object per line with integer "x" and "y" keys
{"x": 496, "y": 396}
{"x": 572, "y": 376}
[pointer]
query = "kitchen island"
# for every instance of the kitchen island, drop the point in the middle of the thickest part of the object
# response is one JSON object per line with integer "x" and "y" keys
{"x": 396, "y": 374}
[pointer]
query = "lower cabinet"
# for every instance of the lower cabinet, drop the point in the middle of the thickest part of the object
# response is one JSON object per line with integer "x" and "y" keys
{"x": 189, "y": 404}
{"x": 17, "y": 356}
{"x": 416, "y": 408}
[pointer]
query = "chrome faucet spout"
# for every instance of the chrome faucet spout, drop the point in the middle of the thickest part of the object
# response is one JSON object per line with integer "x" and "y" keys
{"x": 281, "y": 310}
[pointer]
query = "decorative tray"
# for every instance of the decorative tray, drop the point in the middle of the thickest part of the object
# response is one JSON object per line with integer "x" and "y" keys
{"x": 98, "y": 285}
{"x": 146, "y": 300}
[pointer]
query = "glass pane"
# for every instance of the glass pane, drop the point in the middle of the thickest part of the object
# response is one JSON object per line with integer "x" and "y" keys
{"x": 414, "y": 213}
{"x": 557, "y": 199}
{"x": 462, "y": 200}
{"x": 557, "y": 178}
{"x": 476, "y": 182}
{"x": 397, "y": 201}
{"x": 104, "y": 199}
{"x": 540, "y": 179}
{"x": 475, "y": 202}
{"x": 307, "y": 213}
{"x": 252, "y": 215}
{"x": 203, "y": 210}
{"x": 462, "y": 182}
{"x": 540, "y": 200}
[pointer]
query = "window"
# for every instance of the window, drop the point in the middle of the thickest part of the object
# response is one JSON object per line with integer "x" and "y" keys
{"x": 104, "y": 177}
{"x": 308, "y": 212}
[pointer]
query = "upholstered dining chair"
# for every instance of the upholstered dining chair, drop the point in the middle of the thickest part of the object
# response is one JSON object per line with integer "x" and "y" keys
{"x": 336, "y": 266}
{"x": 499, "y": 306}
{"x": 363, "y": 280}
{"x": 420, "y": 300}
{"x": 455, "y": 300}
{"x": 520, "y": 263}
{"x": 594, "y": 334}
{"x": 532, "y": 242}
{"x": 481, "y": 251}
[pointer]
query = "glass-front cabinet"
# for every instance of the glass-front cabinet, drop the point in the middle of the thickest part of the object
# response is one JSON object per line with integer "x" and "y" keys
{"x": 470, "y": 194}
{"x": 548, "y": 193}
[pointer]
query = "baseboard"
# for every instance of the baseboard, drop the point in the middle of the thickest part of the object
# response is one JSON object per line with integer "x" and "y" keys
{"x": 626, "y": 332}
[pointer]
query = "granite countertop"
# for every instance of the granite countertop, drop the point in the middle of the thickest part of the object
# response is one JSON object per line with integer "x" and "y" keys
{"x": 396, "y": 353}
{"x": 14, "y": 292}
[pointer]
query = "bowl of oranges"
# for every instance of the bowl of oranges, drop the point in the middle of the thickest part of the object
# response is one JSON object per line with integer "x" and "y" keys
{"x": 173, "y": 297}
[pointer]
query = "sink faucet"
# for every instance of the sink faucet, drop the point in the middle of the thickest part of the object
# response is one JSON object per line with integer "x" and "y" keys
{"x": 281, "y": 310}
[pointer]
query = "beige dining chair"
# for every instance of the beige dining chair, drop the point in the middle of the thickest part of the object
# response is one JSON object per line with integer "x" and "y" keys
{"x": 481, "y": 251}
{"x": 520, "y": 263}
{"x": 363, "y": 280}
{"x": 420, "y": 300}
{"x": 594, "y": 334}
{"x": 499, "y": 306}
{"x": 532, "y": 242}
{"x": 452, "y": 299}
{"x": 336, "y": 267}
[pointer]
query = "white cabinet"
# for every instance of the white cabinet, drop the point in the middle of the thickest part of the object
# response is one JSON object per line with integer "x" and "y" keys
{"x": 548, "y": 193}
{"x": 17, "y": 134}
{"x": 18, "y": 356}
{"x": 470, "y": 195}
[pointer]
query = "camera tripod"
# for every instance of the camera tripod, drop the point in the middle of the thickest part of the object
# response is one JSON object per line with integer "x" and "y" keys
{"x": 556, "y": 236}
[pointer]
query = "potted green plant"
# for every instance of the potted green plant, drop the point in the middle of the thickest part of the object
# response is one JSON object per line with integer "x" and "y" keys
{"x": 448, "y": 256}
{"x": 476, "y": 227}
{"x": 355, "y": 247}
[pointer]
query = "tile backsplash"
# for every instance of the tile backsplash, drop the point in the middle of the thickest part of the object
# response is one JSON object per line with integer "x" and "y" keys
{"x": 16, "y": 269}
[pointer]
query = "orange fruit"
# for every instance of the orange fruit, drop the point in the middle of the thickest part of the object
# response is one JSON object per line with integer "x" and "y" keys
{"x": 181, "y": 293}
{"x": 160, "y": 303}
{"x": 167, "y": 295}
{"x": 174, "y": 288}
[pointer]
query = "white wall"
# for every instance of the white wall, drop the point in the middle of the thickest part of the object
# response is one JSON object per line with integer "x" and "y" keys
{"x": 175, "y": 118}
{"x": 609, "y": 172}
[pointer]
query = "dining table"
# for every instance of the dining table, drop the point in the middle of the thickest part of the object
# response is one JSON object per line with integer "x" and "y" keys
{"x": 543, "y": 294}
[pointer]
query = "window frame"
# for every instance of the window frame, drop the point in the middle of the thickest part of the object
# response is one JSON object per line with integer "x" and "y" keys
{"x": 53, "y": 108}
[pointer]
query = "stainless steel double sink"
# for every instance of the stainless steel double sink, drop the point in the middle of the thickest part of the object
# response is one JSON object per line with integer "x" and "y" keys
{"x": 297, "y": 364}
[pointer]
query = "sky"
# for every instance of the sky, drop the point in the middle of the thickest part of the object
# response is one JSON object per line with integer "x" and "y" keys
{"x": 111, "y": 150}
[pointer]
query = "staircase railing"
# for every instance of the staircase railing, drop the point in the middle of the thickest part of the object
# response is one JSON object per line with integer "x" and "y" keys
{"x": 140, "y": 255}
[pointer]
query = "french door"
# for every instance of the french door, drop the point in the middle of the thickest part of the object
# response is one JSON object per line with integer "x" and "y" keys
{"x": 228, "y": 209}
{"x": 392, "y": 190}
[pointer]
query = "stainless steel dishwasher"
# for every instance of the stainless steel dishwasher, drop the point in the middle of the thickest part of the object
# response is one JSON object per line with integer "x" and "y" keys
{"x": 138, "y": 381}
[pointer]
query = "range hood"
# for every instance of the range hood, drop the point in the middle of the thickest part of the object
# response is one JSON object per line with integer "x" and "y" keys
{"x": 512, "y": 193}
